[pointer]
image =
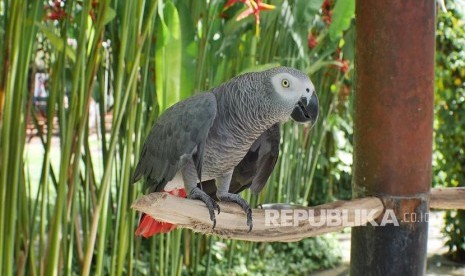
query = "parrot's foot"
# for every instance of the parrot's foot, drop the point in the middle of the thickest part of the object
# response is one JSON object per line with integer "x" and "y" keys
{"x": 228, "y": 197}
{"x": 198, "y": 194}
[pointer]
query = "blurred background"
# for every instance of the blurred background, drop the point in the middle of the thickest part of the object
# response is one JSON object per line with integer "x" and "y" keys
{"x": 83, "y": 81}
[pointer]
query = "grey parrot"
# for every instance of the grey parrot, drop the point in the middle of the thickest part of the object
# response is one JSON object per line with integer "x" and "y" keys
{"x": 225, "y": 140}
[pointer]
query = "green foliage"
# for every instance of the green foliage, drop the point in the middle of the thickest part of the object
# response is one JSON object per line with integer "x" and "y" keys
{"x": 298, "y": 258}
{"x": 343, "y": 13}
{"x": 449, "y": 155}
{"x": 68, "y": 211}
{"x": 168, "y": 56}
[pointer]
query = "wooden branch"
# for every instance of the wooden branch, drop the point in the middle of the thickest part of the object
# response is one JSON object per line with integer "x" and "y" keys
{"x": 231, "y": 222}
{"x": 447, "y": 198}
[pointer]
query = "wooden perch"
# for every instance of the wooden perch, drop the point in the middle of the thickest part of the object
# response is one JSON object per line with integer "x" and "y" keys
{"x": 447, "y": 198}
{"x": 231, "y": 222}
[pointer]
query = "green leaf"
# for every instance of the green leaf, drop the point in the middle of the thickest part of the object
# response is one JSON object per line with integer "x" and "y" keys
{"x": 189, "y": 49}
{"x": 305, "y": 10}
{"x": 168, "y": 57}
{"x": 343, "y": 12}
{"x": 57, "y": 41}
{"x": 109, "y": 15}
{"x": 349, "y": 45}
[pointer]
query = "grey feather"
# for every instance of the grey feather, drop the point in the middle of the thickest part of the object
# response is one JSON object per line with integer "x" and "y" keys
{"x": 179, "y": 134}
{"x": 233, "y": 127}
{"x": 256, "y": 167}
{"x": 268, "y": 156}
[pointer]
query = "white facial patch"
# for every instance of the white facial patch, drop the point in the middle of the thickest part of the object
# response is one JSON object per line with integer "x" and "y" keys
{"x": 290, "y": 88}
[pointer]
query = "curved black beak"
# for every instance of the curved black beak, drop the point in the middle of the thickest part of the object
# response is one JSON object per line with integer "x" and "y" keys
{"x": 306, "y": 112}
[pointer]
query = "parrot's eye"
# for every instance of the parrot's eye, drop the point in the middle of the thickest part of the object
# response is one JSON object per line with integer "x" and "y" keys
{"x": 285, "y": 83}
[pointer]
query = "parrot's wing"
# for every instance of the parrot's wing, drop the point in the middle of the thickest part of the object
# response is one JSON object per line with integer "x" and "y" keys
{"x": 258, "y": 164}
{"x": 256, "y": 167}
{"x": 179, "y": 134}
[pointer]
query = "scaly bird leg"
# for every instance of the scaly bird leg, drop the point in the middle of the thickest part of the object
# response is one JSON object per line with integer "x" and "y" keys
{"x": 228, "y": 197}
{"x": 196, "y": 193}
{"x": 222, "y": 186}
{"x": 189, "y": 175}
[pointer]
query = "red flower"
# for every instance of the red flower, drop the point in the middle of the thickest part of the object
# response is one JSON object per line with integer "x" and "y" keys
{"x": 56, "y": 11}
{"x": 345, "y": 65}
{"x": 326, "y": 6}
{"x": 232, "y": 2}
{"x": 327, "y": 18}
{"x": 312, "y": 42}
{"x": 326, "y": 11}
{"x": 57, "y": 15}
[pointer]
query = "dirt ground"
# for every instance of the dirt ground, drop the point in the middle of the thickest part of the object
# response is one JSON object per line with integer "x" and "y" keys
{"x": 437, "y": 263}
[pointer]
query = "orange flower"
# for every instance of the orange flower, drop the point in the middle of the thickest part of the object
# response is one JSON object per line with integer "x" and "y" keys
{"x": 253, "y": 7}
{"x": 232, "y": 2}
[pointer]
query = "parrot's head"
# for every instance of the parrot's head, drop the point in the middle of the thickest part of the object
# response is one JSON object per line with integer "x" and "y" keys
{"x": 296, "y": 92}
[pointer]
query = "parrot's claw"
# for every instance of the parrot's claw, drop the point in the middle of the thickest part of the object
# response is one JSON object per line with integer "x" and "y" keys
{"x": 198, "y": 194}
{"x": 229, "y": 197}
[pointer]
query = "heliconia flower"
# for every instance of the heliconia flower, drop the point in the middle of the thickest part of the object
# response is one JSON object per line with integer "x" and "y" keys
{"x": 312, "y": 42}
{"x": 345, "y": 65}
{"x": 326, "y": 6}
{"x": 56, "y": 11}
{"x": 232, "y": 2}
{"x": 327, "y": 18}
{"x": 57, "y": 15}
{"x": 253, "y": 7}
{"x": 327, "y": 12}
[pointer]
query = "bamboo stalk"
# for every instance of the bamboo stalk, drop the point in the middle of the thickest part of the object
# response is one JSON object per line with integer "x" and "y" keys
{"x": 230, "y": 223}
{"x": 81, "y": 223}
{"x": 103, "y": 197}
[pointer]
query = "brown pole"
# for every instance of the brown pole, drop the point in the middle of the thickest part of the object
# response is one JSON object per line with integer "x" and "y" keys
{"x": 393, "y": 131}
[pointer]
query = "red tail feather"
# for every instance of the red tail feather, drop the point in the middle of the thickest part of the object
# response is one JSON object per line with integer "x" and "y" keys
{"x": 149, "y": 226}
